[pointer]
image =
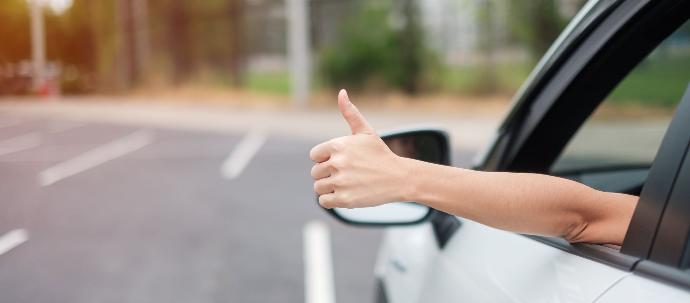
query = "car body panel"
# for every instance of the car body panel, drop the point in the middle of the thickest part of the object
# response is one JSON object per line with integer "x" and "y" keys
{"x": 404, "y": 261}
{"x": 638, "y": 289}
{"x": 484, "y": 264}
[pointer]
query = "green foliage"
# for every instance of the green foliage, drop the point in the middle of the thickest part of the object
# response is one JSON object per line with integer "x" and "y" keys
{"x": 658, "y": 83}
{"x": 370, "y": 52}
{"x": 536, "y": 23}
{"x": 276, "y": 83}
{"x": 468, "y": 79}
{"x": 662, "y": 78}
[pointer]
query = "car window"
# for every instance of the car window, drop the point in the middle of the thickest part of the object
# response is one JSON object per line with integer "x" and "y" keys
{"x": 615, "y": 147}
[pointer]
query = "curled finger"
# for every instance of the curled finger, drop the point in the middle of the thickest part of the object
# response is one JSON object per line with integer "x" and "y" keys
{"x": 323, "y": 186}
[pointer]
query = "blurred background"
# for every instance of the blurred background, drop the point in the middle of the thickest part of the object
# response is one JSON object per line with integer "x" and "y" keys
{"x": 157, "y": 150}
{"x": 452, "y": 47}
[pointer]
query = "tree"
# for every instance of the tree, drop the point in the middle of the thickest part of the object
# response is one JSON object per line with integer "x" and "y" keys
{"x": 382, "y": 45}
{"x": 487, "y": 76}
{"x": 412, "y": 56}
{"x": 179, "y": 41}
{"x": 537, "y": 23}
{"x": 236, "y": 41}
{"x": 14, "y": 30}
{"x": 71, "y": 42}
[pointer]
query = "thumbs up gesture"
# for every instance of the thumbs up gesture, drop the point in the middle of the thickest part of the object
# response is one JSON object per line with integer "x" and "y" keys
{"x": 357, "y": 170}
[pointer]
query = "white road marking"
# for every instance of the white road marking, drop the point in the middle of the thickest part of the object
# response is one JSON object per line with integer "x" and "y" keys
{"x": 95, "y": 157}
{"x": 12, "y": 239}
{"x": 318, "y": 264}
{"x": 20, "y": 143}
{"x": 238, "y": 159}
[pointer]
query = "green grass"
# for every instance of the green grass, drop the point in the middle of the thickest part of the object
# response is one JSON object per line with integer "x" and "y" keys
{"x": 475, "y": 79}
{"x": 659, "y": 82}
{"x": 276, "y": 83}
{"x": 460, "y": 80}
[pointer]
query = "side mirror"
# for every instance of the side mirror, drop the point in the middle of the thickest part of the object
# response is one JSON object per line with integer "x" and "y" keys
{"x": 430, "y": 145}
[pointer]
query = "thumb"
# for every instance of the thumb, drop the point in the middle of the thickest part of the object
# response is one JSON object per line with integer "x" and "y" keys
{"x": 354, "y": 118}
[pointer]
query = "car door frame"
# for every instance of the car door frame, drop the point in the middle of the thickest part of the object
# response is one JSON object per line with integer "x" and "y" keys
{"x": 565, "y": 91}
{"x": 669, "y": 256}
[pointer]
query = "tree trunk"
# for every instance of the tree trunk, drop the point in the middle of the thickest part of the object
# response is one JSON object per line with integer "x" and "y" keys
{"x": 179, "y": 42}
{"x": 236, "y": 55}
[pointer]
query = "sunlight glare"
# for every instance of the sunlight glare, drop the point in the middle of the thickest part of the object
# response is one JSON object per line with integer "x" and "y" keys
{"x": 57, "y": 6}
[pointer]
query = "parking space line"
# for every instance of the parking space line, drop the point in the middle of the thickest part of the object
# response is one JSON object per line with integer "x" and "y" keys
{"x": 95, "y": 157}
{"x": 318, "y": 263}
{"x": 12, "y": 239}
{"x": 238, "y": 159}
{"x": 20, "y": 143}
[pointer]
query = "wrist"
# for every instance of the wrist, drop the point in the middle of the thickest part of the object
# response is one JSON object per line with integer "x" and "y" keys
{"x": 431, "y": 184}
{"x": 411, "y": 179}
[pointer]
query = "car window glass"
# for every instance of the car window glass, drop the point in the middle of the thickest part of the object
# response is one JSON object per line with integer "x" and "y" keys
{"x": 622, "y": 136}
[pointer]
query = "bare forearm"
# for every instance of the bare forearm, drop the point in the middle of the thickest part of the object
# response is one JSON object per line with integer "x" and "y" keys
{"x": 525, "y": 203}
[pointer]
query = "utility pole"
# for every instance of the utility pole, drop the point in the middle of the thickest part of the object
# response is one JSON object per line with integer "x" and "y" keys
{"x": 38, "y": 46}
{"x": 298, "y": 51}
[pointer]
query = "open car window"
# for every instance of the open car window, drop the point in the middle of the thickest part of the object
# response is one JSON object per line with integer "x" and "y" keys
{"x": 615, "y": 147}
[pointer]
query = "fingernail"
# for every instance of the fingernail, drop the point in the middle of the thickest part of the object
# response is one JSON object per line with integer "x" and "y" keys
{"x": 343, "y": 94}
{"x": 347, "y": 99}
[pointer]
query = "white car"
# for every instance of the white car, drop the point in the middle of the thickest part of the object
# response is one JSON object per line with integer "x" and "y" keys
{"x": 554, "y": 127}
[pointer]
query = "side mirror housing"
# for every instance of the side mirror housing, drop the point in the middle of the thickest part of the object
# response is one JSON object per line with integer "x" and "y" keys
{"x": 425, "y": 144}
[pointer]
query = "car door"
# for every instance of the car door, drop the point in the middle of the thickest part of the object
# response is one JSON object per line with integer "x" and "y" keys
{"x": 483, "y": 264}
{"x": 663, "y": 275}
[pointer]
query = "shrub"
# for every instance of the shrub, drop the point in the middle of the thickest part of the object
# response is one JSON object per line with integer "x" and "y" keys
{"x": 373, "y": 51}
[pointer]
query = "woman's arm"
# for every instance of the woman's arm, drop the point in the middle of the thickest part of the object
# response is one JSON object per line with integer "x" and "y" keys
{"x": 525, "y": 203}
{"x": 360, "y": 171}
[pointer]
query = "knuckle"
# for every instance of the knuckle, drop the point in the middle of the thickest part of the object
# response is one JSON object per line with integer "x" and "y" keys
{"x": 337, "y": 144}
{"x": 338, "y": 163}
{"x": 344, "y": 200}
{"x": 338, "y": 182}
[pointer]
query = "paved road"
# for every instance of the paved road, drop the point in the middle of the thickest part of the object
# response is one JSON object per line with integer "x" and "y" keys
{"x": 159, "y": 223}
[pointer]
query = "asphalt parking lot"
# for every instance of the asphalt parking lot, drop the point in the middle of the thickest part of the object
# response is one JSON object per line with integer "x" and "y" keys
{"x": 103, "y": 212}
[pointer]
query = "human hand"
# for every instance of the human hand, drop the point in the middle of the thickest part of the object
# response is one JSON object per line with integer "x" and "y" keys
{"x": 358, "y": 170}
